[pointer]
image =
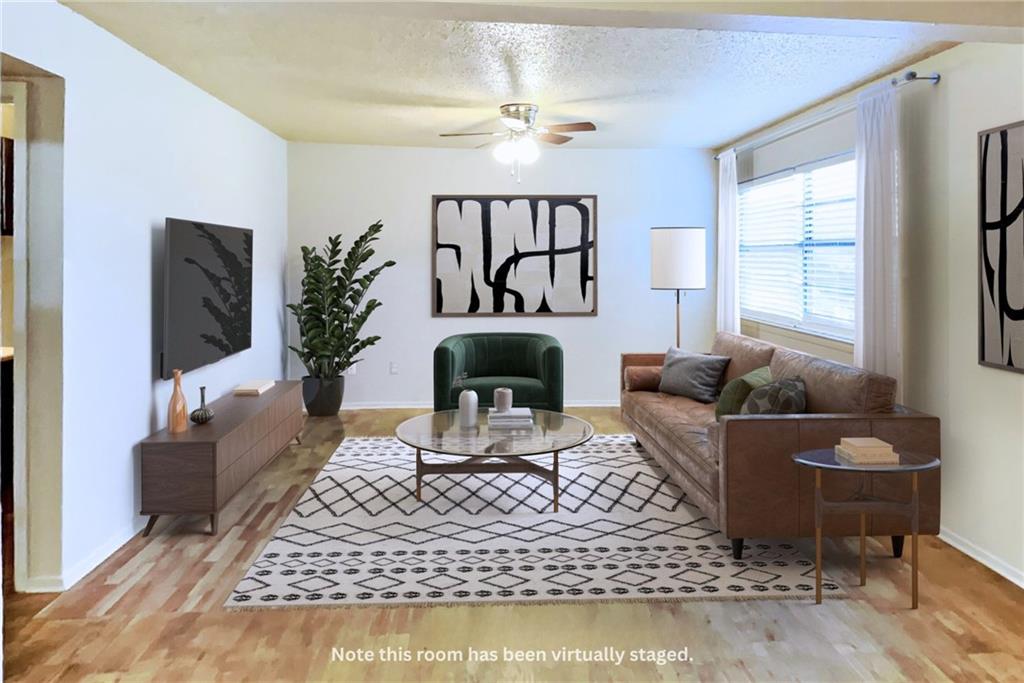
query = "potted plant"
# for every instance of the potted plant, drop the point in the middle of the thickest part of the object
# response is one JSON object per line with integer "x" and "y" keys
{"x": 331, "y": 312}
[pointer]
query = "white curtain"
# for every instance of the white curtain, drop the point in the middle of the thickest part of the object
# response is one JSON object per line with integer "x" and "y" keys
{"x": 728, "y": 245}
{"x": 878, "y": 334}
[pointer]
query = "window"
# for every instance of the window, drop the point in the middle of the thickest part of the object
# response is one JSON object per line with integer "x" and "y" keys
{"x": 797, "y": 259}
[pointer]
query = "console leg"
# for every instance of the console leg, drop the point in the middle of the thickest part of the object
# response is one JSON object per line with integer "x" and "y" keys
{"x": 897, "y": 546}
{"x": 213, "y": 524}
{"x": 150, "y": 524}
{"x": 737, "y": 548}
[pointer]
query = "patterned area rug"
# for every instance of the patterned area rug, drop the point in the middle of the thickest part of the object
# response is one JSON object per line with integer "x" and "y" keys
{"x": 624, "y": 531}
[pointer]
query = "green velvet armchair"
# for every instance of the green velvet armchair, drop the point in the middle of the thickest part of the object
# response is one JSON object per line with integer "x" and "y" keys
{"x": 528, "y": 364}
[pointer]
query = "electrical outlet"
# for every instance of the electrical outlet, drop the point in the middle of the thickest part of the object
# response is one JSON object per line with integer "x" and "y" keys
{"x": 393, "y": 368}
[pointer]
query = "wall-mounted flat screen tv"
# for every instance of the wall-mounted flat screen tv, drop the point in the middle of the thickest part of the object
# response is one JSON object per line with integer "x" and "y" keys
{"x": 207, "y": 294}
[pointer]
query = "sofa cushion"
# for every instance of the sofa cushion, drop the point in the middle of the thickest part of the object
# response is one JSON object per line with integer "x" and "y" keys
{"x": 693, "y": 375}
{"x": 642, "y": 377}
{"x": 736, "y": 392}
{"x": 679, "y": 425}
{"x": 835, "y": 387}
{"x": 784, "y": 397}
{"x": 525, "y": 390}
{"x": 745, "y": 353}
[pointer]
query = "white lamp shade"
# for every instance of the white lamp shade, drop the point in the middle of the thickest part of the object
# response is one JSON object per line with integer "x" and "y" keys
{"x": 678, "y": 258}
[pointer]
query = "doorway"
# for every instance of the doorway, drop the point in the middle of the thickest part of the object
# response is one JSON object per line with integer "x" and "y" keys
{"x": 13, "y": 167}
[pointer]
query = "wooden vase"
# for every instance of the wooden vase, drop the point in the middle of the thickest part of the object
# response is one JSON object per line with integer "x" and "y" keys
{"x": 177, "y": 409}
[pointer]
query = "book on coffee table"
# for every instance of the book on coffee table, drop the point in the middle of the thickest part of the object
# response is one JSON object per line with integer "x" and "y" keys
{"x": 513, "y": 418}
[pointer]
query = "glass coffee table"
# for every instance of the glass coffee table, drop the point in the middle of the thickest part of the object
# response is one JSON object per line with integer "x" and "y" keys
{"x": 863, "y": 504}
{"x": 492, "y": 451}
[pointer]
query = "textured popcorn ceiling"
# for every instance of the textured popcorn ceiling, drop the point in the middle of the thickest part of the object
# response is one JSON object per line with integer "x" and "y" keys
{"x": 319, "y": 72}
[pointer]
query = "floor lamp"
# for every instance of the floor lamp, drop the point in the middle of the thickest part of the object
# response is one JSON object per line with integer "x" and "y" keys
{"x": 678, "y": 261}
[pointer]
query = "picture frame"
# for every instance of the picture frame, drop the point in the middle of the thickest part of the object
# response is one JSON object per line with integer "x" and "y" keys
{"x": 514, "y": 255}
{"x": 1001, "y": 247}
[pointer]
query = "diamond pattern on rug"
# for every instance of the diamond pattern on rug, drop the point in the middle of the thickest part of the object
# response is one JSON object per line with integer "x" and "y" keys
{"x": 624, "y": 530}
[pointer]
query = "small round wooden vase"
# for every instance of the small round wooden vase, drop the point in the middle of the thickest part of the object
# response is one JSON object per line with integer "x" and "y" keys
{"x": 202, "y": 414}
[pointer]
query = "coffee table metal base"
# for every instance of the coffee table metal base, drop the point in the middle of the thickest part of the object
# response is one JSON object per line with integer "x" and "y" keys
{"x": 489, "y": 464}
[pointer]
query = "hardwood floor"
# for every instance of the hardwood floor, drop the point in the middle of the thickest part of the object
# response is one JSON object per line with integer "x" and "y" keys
{"x": 153, "y": 611}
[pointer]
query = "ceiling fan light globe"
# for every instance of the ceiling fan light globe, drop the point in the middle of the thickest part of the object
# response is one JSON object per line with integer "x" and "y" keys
{"x": 527, "y": 150}
{"x": 505, "y": 152}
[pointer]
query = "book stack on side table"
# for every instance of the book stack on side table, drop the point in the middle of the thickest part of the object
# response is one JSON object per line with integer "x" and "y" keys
{"x": 513, "y": 418}
{"x": 866, "y": 450}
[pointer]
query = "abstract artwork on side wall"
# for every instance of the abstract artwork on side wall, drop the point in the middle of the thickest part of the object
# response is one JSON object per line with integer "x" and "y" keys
{"x": 1001, "y": 247}
{"x": 514, "y": 255}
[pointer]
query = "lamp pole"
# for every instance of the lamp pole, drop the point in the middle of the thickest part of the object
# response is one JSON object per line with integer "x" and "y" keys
{"x": 679, "y": 315}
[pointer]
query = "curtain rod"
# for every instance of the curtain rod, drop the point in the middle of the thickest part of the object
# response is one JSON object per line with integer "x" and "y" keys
{"x": 827, "y": 114}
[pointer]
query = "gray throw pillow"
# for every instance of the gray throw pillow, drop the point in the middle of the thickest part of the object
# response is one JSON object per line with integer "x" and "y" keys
{"x": 787, "y": 396}
{"x": 693, "y": 375}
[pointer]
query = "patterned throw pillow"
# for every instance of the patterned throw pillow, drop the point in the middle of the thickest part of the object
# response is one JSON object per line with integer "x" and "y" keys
{"x": 730, "y": 401}
{"x": 783, "y": 397}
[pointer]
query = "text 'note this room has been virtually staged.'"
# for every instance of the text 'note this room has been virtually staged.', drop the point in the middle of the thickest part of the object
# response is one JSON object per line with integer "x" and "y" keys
{"x": 519, "y": 341}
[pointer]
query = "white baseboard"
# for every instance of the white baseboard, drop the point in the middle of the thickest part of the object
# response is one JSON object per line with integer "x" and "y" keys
{"x": 998, "y": 565}
{"x": 80, "y": 569}
{"x": 42, "y": 584}
{"x": 369, "y": 405}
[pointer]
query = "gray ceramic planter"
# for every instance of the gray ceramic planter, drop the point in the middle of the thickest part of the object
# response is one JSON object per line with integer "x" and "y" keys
{"x": 323, "y": 396}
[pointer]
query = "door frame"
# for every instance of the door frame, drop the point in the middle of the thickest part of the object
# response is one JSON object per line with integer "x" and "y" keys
{"x": 16, "y": 93}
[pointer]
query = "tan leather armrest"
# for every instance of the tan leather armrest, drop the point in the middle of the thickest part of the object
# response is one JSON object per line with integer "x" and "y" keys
{"x": 638, "y": 360}
{"x": 763, "y": 493}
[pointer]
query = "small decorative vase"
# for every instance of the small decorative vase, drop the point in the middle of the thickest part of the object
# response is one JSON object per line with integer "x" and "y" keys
{"x": 468, "y": 403}
{"x": 202, "y": 414}
{"x": 502, "y": 399}
{"x": 177, "y": 409}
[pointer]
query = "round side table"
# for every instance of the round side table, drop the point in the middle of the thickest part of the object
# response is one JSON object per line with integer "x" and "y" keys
{"x": 825, "y": 459}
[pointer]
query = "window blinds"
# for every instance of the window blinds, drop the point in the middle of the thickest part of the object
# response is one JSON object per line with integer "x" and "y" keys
{"x": 796, "y": 243}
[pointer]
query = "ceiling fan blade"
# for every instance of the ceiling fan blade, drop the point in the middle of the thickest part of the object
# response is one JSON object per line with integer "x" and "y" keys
{"x": 455, "y": 135}
{"x": 553, "y": 138}
{"x": 577, "y": 127}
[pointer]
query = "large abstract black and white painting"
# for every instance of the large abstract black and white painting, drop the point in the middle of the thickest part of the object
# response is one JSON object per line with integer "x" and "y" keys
{"x": 515, "y": 255}
{"x": 1001, "y": 247}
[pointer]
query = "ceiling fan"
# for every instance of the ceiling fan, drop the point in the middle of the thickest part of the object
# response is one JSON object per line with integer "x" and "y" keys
{"x": 519, "y": 139}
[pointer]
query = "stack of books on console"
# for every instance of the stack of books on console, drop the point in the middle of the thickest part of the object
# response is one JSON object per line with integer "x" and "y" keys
{"x": 513, "y": 418}
{"x": 866, "y": 450}
{"x": 254, "y": 387}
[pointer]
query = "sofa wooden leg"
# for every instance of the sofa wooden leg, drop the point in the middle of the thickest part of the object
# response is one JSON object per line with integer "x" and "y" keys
{"x": 897, "y": 546}
{"x": 637, "y": 443}
{"x": 737, "y": 548}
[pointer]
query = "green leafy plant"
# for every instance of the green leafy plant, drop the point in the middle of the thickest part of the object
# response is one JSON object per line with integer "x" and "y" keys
{"x": 333, "y": 307}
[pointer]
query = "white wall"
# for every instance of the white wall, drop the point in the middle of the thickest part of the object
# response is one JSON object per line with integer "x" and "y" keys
{"x": 982, "y": 409}
{"x": 345, "y": 188}
{"x": 140, "y": 144}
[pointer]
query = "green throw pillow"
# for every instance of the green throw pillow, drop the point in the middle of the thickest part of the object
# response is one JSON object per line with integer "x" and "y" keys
{"x": 735, "y": 392}
{"x": 786, "y": 396}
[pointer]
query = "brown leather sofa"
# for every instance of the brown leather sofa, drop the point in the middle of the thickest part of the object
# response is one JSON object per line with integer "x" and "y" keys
{"x": 739, "y": 470}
